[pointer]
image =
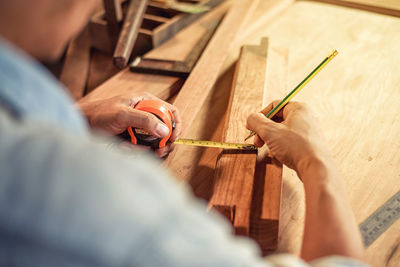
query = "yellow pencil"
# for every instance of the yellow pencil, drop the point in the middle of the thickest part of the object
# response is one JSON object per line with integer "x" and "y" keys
{"x": 297, "y": 89}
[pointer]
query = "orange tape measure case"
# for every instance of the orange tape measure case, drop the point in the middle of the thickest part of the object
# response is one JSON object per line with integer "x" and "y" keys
{"x": 157, "y": 108}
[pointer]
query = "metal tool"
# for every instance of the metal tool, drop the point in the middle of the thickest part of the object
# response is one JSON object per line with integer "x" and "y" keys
{"x": 157, "y": 108}
{"x": 376, "y": 224}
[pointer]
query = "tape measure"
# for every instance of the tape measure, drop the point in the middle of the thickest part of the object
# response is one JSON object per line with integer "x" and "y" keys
{"x": 224, "y": 145}
{"x": 161, "y": 111}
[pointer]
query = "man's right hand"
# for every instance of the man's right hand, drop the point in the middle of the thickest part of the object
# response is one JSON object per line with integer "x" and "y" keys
{"x": 330, "y": 226}
{"x": 295, "y": 141}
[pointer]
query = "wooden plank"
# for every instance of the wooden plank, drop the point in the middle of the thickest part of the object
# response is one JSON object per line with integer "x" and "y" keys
{"x": 177, "y": 23}
{"x": 292, "y": 209}
{"x": 234, "y": 173}
{"x": 99, "y": 34}
{"x": 386, "y": 7}
{"x": 129, "y": 32}
{"x": 113, "y": 14}
{"x": 160, "y": 24}
{"x": 356, "y": 99}
{"x": 206, "y": 71}
{"x": 113, "y": 10}
{"x": 101, "y": 40}
{"x": 234, "y": 179}
{"x": 248, "y": 186}
{"x": 196, "y": 165}
{"x": 75, "y": 70}
{"x": 266, "y": 201}
{"x": 266, "y": 204}
{"x": 182, "y": 43}
{"x": 176, "y": 48}
{"x": 126, "y": 82}
{"x": 154, "y": 18}
{"x": 177, "y": 68}
{"x": 101, "y": 69}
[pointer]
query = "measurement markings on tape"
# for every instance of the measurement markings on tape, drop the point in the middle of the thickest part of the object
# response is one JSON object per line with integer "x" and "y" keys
{"x": 224, "y": 145}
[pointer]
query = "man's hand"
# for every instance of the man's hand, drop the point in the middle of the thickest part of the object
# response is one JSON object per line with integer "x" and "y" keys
{"x": 114, "y": 115}
{"x": 296, "y": 139}
{"x": 330, "y": 226}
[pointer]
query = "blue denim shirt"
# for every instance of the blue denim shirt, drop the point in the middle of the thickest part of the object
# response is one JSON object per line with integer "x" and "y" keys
{"x": 67, "y": 201}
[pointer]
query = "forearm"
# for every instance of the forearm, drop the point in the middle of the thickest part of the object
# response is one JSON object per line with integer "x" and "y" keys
{"x": 330, "y": 226}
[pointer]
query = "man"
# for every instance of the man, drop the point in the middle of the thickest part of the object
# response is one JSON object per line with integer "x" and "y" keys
{"x": 66, "y": 201}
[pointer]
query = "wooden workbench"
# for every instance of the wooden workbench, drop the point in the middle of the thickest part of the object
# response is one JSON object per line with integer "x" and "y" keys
{"x": 356, "y": 97}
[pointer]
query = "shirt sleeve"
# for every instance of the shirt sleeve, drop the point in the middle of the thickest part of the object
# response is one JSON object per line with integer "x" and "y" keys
{"x": 68, "y": 201}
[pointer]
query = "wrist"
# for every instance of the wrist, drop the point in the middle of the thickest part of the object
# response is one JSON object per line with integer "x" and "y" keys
{"x": 312, "y": 168}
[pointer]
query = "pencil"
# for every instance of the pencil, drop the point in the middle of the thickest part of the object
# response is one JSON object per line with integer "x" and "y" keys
{"x": 281, "y": 104}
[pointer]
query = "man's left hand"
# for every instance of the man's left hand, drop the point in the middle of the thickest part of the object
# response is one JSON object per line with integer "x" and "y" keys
{"x": 114, "y": 115}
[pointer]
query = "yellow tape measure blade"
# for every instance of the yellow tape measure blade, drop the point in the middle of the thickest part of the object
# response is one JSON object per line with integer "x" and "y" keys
{"x": 224, "y": 145}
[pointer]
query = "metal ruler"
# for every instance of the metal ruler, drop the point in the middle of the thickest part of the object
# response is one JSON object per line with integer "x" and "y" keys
{"x": 224, "y": 145}
{"x": 381, "y": 220}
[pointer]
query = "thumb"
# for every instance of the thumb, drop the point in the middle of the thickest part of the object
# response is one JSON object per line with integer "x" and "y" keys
{"x": 146, "y": 121}
{"x": 262, "y": 126}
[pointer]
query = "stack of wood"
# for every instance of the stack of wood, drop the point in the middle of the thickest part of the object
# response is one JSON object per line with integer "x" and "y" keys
{"x": 125, "y": 29}
{"x": 155, "y": 23}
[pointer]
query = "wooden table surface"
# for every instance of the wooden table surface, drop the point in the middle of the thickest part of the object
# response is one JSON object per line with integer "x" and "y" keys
{"x": 356, "y": 98}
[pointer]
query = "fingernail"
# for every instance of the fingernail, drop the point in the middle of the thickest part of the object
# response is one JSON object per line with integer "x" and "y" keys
{"x": 162, "y": 130}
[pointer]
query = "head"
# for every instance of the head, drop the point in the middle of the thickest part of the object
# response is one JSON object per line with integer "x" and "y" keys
{"x": 43, "y": 28}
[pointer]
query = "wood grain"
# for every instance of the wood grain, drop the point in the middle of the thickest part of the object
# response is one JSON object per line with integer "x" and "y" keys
{"x": 179, "y": 68}
{"x": 113, "y": 14}
{"x": 356, "y": 99}
{"x": 207, "y": 69}
{"x": 266, "y": 204}
{"x": 235, "y": 170}
{"x": 292, "y": 206}
{"x": 101, "y": 69}
{"x": 386, "y": 7}
{"x": 164, "y": 87}
{"x": 159, "y": 25}
{"x": 248, "y": 186}
{"x": 75, "y": 70}
{"x": 266, "y": 201}
{"x": 177, "y": 23}
{"x": 183, "y": 42}
{"x": 102, "y": 40}
{"x": 129, "y": 32}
